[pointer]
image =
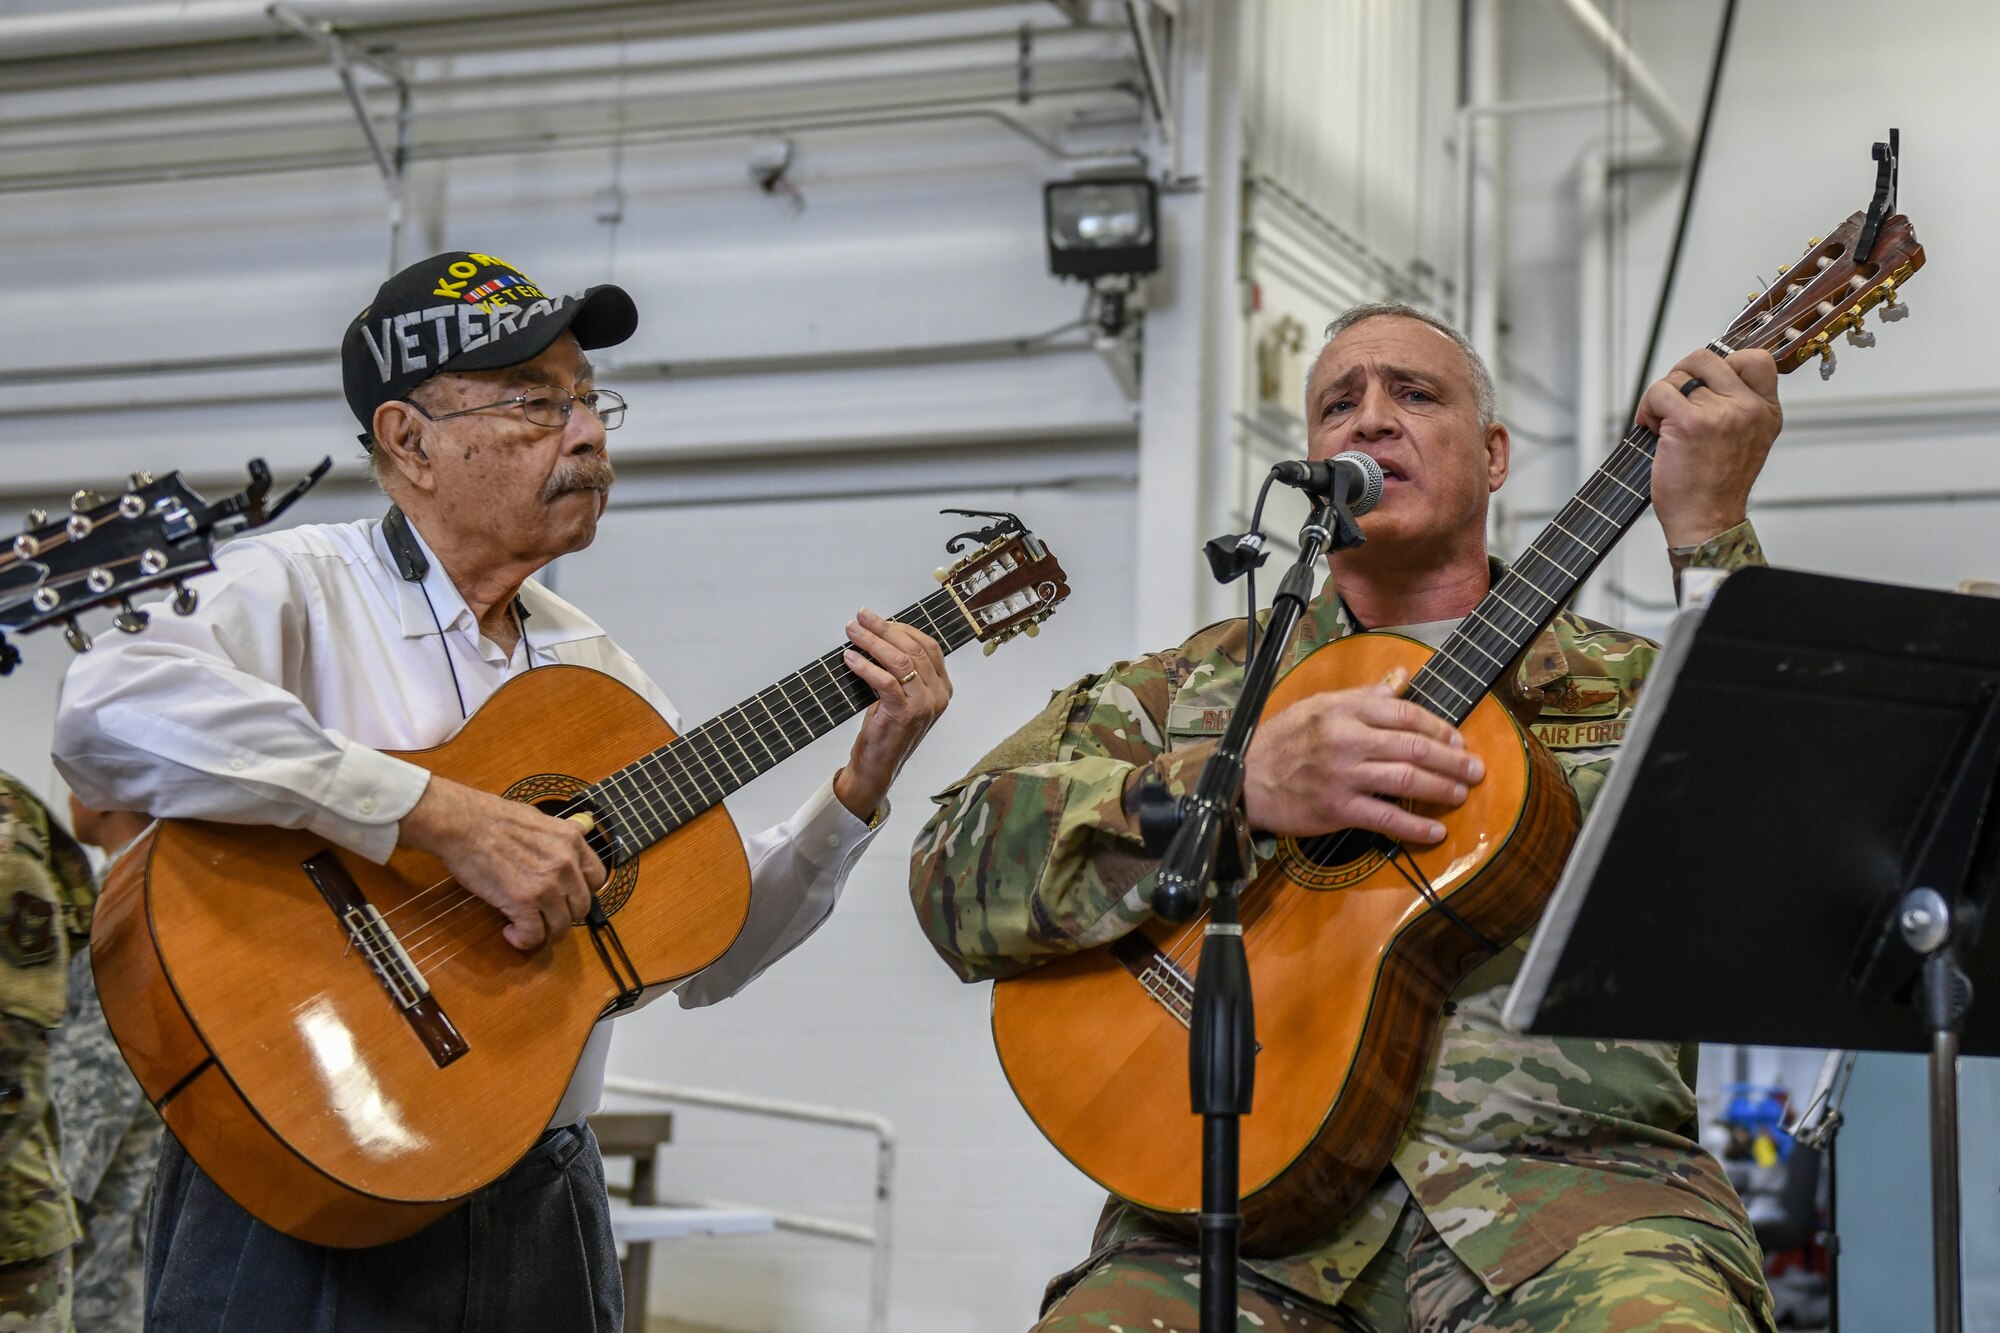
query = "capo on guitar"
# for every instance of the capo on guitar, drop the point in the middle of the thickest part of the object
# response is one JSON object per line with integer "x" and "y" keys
{"x": 1888, "y": 164}
{"x": 1008, "y": 525}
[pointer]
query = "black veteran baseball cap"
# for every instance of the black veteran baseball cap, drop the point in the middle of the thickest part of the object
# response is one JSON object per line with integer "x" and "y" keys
{"x": 465, "y": 311}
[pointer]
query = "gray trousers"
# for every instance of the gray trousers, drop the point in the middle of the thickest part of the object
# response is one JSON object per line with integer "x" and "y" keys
{"x": 530, "y": 1252}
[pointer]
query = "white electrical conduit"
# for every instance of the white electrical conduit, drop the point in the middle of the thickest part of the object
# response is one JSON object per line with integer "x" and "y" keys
{"x": 157, "y": 27}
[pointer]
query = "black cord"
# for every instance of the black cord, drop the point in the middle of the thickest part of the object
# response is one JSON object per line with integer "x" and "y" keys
{"x": 1250, "y": 574}
{"x": 1687, "y": 204}
{"x": 449, "y": 665}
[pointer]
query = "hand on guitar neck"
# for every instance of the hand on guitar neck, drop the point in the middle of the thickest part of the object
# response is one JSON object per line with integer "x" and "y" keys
{"x": 1329, "y": 761}
{"x": 536, "y": 869}
{"x": 1713, "y": 441}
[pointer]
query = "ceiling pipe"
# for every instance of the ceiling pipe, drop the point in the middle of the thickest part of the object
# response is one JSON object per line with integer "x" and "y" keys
{"x": 1648, "y": 97}
{"x": 170, "y": 27}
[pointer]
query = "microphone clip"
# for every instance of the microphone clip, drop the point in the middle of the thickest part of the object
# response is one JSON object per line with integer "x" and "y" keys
{"x": 1235, "y": 554}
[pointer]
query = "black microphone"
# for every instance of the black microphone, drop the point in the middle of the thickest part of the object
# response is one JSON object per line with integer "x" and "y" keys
{"x": 1360, "y": 474}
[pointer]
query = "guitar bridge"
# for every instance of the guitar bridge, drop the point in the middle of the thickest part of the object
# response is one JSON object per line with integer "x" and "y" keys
{"x": 370, "y": 933}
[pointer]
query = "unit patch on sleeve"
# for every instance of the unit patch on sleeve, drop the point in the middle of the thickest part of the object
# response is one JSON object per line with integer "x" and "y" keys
{"x": 1586, "y": 712}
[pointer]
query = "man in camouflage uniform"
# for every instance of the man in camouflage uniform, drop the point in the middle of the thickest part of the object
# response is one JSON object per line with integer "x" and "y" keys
{"x": 45, "y": 895}
{"x": 110, "y": 1133}
{"x": 1542, "y": 1183}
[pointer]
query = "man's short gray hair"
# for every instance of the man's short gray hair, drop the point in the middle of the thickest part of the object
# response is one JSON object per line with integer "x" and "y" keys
{"x": 1482, "y": 380}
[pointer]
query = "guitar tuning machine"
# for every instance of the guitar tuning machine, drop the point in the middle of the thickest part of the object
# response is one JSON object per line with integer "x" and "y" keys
{"x": 131, "y": 619}
{"x": 185, "y": 600}
{"x": 1893, "y": 310}
{"x": 941, "y": 573}
{"x": 130, "y": 506}
{"x": 37, "y": 518}
{"x": 73, "y": 635}
{"x": 1826, "y": 361}
{"x": 1860, "y": 337}
{"x": 141, "y": 480}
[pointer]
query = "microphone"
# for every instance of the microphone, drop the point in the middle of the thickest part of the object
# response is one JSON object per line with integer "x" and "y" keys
{"x": 1355, "y": 472}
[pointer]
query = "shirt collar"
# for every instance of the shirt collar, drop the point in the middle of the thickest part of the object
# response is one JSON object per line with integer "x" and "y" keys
{"x": 546, "y": 619}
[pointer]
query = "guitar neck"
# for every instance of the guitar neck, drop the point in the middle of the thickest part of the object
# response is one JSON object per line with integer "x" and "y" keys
{"x": 650, "y": 798}
{"x": 1535, "y": 587}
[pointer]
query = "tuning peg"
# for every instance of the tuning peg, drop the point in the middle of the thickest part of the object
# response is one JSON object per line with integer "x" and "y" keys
{"x": 989, "y": 646}
{"x": 1812, "y": 241}
{"x": 1826, "y": 362}
{"x": 1893, "y": 310}
{"x": 941, "y": 573}
{"x": 100, "y": 580}
{"x": 83, "y": 500}
{"x": 1032, "y": 629}
{"x": 151, "y": 561}
{"x": 37, "y": 518}
{"x": 1784, "y": 268}
{"x": 141, "y": 480}
{"x": 74, "y": 635}
{"x": 1860, "y": 337}
{"x": 185, "y": 600}
{"x": 78, "y": 527}
{"x": 131, "y": 619}
{"x": 130, "y": 506}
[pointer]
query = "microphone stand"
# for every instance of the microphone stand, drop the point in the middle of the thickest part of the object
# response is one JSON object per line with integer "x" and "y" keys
{"x": 1211, "y": 847}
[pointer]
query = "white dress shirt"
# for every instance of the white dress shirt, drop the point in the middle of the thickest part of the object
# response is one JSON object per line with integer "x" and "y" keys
{"x": 308, "y": 656}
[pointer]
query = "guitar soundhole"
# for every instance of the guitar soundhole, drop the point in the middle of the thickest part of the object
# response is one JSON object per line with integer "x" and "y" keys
{"x": 552, "y": 794}
{"x": 1335, "y": 860}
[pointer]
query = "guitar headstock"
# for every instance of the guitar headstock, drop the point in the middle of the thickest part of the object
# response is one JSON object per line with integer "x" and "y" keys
{"x": 105, "y": 550}
{"x": 1826, "y": 291}
{"x": 1010, "y": 584}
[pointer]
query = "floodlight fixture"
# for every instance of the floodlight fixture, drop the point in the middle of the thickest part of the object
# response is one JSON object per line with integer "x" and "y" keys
{"x": 1100, "y": 226}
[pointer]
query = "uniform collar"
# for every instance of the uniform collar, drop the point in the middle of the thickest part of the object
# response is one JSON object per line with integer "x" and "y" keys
{"x": 1327, "y": 618}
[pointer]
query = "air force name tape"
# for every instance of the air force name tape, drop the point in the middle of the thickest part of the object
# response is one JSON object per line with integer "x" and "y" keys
{"x": 466, "y": 311}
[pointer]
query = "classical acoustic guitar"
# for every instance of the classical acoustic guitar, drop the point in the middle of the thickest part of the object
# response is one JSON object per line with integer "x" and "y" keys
{"x": 350, "y": 1049}
{"x": 1355, "y": 942}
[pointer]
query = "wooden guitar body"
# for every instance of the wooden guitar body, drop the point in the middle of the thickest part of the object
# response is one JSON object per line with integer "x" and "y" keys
{"x": 279, "y": 1056}
{"x": 1350, "y": 968}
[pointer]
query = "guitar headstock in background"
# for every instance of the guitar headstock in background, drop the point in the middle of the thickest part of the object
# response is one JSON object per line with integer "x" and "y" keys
{"x": 1009, "y": 585}
{"x": 159, "y": 532}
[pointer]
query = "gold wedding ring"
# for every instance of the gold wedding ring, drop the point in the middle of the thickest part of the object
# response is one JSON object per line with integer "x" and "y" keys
{"x": 907, "y": 676}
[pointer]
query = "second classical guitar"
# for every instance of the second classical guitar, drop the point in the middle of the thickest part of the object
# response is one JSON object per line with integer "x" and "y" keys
{"x": 350, "y": 1049}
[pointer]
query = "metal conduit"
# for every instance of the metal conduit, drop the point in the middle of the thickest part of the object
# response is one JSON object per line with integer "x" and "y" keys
{"x": 537, "y": 143}
{"x": 176, "y": 27}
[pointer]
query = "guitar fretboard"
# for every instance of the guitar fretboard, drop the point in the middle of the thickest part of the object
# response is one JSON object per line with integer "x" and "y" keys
{"x": 1537, "y": 585}
{"x": 650, "y": 798}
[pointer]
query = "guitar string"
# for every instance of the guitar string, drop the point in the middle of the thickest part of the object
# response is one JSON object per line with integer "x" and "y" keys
{"x": 659, "y": 760}
{"x": 426, "y": 932}
{"x": 1601, "y": 488}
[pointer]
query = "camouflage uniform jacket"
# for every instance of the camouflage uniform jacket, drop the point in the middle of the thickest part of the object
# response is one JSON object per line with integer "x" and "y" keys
{"x": 1519, "y": 1146}
{"x": 46, "y": 894}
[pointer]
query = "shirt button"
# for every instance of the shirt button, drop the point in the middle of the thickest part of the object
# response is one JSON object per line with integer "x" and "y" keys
{"x": 368, "y": 805}
{"x": 833, "y": 840}
{"x": 236, "y": 765}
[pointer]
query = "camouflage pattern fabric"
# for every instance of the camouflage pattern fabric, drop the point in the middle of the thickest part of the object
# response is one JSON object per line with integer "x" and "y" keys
{"x": 35, "y": 1295}
{"x": 110, "y": 1138}
{"x": 1519, "y": 1147}
{"x": 1663, "y": 1275}
{"x": 45, "y": 897}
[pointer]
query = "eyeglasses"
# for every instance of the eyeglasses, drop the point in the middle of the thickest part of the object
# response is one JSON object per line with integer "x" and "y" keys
{"x": 547, "y": 406}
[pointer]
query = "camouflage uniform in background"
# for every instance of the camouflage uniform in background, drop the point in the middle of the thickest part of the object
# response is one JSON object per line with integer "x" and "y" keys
{"x": 45, "y": 896}
{"x": 110, "y": 1136}
{"x": 1542, "y": 1182}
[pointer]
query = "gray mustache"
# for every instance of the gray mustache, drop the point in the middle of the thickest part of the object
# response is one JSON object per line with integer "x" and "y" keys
{"x": 595, "y": 474}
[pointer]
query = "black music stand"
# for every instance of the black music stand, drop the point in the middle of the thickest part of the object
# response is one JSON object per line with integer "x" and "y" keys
{"x": 1800, "y": 824}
